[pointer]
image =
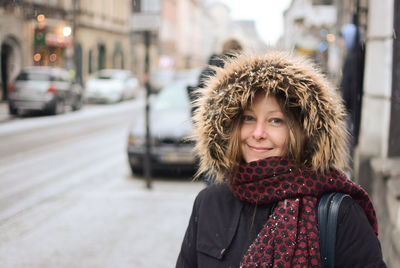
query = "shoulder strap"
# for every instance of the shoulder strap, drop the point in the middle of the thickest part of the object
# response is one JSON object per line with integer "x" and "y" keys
{"x": 328, "y": 210}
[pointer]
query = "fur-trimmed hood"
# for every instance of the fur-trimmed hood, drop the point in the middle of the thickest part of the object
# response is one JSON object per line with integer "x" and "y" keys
{"x": 227, "y": 94}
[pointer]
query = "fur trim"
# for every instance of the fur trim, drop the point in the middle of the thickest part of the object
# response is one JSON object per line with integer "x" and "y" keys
{"x": 227, "y": 93}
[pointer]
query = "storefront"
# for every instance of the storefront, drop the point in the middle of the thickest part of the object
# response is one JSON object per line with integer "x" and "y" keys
{"x": 53, "y": 45}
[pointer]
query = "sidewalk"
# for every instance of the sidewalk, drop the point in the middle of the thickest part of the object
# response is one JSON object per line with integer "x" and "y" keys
{"x": 4, "y": 116}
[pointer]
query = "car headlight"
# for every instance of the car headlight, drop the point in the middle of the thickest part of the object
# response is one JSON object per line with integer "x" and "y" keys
{"x": 137, "y": 141}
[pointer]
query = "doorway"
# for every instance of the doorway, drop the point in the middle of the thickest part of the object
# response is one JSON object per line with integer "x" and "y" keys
{"x": 10, "y": 64}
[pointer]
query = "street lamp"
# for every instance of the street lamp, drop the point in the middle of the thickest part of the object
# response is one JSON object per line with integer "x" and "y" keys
{"x": 66, "y": 31}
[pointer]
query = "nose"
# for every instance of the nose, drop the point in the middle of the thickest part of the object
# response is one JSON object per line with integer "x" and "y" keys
{"x": 260, "y": 131}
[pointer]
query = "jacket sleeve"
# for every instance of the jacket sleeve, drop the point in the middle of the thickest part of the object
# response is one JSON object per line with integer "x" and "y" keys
{"x": 356, "y": 242}
{"x": 188, "y": 255}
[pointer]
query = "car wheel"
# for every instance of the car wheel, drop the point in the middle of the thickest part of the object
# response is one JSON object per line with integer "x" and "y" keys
{"x": 60, "y": 107}
{"x": 78, "y": 104}
{"x": 12, "y": 110}
{"x": 57, "y": 108}
{"x": 136, "y": 170}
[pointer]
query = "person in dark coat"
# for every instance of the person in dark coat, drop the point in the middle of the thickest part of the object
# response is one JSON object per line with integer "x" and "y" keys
{"x": 215, "y": 60}
{"x": 230, "y": 49}
{"x": 272, "y": 131}
{"x": 352, "y": 81}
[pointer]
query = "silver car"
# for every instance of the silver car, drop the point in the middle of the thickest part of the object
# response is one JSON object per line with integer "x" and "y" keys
{"x": 170, "y": 127}
{"x": 45, "y": 89}
{"x": 110, "y": 86}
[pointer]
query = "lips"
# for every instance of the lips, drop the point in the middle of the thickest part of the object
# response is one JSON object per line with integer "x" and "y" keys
{"x": 259, "y": 149}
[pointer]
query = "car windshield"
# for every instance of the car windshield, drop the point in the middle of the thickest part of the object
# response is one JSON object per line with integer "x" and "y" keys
{"x": 36, "y": 76}
{"x": 173, "y": 96}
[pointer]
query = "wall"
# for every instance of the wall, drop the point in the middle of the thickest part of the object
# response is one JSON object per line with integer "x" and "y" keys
{"x": 103, "y": 23}
{"x": 386, "y": 197}
{"x": 378, "y": 174}
{"x": 91, "y": 38}
{"x": 375, "y": 114}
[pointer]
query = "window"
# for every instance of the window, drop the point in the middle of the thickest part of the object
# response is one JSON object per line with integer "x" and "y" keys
{"x": 36, "y": 76}
{"x": 90, "y": 61}
{"x": 136, "y": 6}
{"x": 322, "y": 2}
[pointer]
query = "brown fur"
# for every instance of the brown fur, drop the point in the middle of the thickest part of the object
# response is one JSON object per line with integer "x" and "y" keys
{"x": 228, "y": 93}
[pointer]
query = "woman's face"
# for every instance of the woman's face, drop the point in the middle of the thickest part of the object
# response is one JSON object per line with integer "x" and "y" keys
{"x": 263, "y": 131}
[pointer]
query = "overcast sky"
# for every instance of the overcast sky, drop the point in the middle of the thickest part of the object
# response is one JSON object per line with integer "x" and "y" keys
{"x": 268, "y": 15}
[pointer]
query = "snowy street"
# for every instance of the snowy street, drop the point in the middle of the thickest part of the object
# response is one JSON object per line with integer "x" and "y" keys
{"x": 68, "y": 199}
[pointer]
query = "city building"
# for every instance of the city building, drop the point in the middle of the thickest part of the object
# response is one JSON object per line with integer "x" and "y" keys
{"x": 310, "y": 31}
{"x": 81, "y": 36}
{"x": 175, "y": 29}
{"x": 185, "y": 33}
{"x": 377, "y": 154}
{"x": 88, "y": 35}
{"x": 34, "y": 33}
{"x": 102, "y": 36}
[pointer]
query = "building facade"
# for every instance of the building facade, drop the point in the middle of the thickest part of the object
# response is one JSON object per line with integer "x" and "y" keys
{"x": 310, "y": 30}
{"x": 102, "y": 36}
{"x": 34, "y": 33}
{"x": 187, "y": 33}
{"x": 377, "y": 150}
{"x": 88, "y": 35}
{"x": 81, "y": 36}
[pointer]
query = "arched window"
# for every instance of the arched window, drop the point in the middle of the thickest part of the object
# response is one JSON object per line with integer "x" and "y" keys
{"x": 101, "y": 57}
{"x": 118, "y": 56}
{"x": 90, "y": 61}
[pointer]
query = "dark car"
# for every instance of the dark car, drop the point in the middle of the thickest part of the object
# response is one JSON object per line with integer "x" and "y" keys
{"x": 170, "y": 127}
{"x": 45, "y": 89}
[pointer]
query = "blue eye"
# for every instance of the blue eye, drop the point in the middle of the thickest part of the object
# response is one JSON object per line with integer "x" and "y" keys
{"x": 247, "y": 118}
{"x": 276, "y": 120}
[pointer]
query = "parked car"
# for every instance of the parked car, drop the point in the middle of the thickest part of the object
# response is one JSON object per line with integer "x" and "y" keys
{"x": 170, "y": 127}
{"x": 45, "y": 89}
{"x": 111, "y": 85}
{"x": 160, "y": 79}
{"x": 191, "y": 76}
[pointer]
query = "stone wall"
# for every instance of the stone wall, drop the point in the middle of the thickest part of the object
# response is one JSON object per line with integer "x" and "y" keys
{"x": 386, "y": 198}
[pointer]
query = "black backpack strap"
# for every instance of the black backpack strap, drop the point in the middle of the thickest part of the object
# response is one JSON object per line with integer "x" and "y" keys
{"x": 328, "y": 210}
{"x": 323, "y": 209}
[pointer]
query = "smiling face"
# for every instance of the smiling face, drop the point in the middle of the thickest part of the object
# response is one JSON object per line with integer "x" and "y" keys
{"x": 264, "y": 131}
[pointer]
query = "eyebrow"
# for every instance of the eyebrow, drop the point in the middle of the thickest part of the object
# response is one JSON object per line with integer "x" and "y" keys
{"x": 269, "y": 112}
{"x": 276, "y": 111}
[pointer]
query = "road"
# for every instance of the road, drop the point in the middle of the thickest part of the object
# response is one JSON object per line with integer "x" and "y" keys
{"x": 67, "y": 198}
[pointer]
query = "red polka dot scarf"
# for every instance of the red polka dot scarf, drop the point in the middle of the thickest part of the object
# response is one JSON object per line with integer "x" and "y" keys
{"x": 290, "y": 236}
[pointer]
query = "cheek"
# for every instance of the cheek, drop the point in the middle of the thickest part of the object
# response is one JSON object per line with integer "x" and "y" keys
{"x": 282, "y": 137}
{"x": 244, "y": 130}
{"x": 285, "y": 134}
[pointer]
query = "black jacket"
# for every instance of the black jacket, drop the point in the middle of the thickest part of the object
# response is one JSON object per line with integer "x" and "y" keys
{"x": 221, "y": 229}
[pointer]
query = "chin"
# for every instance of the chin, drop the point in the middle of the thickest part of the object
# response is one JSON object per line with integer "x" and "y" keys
{"x": 254, "y": 158}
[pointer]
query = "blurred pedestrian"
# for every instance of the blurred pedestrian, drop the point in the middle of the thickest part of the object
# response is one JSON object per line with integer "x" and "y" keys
{"x": 352, "y": 82}
{"x": 230, "y": 49}
{"x": 272, "y": 130}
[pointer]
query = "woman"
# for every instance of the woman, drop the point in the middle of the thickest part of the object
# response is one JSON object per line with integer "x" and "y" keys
{"x": 272, "y": 131}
